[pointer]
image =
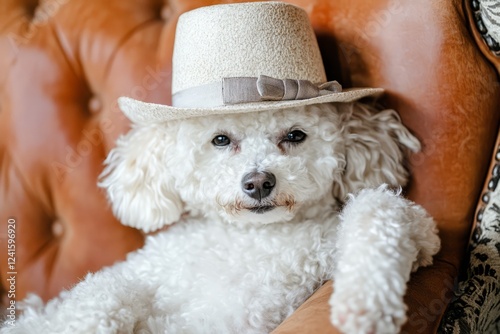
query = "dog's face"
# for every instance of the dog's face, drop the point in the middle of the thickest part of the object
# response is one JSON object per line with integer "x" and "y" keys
{"x": 255, "y": 168}
{"x": 258, "y": 168}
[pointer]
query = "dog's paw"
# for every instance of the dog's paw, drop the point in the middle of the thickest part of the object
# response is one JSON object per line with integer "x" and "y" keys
{"x": 364, "y": 317}
{"x": 424, "y": 234}
{"x": 363, "y": 321}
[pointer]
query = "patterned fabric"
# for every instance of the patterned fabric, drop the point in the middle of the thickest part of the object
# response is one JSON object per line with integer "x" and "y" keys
{"x": 476, "y": 306}
{"x": 490, "y": 12}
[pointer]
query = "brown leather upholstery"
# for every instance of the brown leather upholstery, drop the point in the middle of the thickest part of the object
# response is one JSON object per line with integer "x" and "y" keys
{"x": 64, "y": 63}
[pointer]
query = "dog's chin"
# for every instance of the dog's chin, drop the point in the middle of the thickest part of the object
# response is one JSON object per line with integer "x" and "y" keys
{"x": 262, "y": 215}
{"x": 261, "y": 209}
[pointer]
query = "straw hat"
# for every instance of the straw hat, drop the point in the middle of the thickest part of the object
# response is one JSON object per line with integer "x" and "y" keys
{"x": 239, "y": 58}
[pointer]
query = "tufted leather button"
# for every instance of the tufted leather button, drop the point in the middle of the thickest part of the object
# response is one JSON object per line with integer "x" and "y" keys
{"x": 95, "y": 104}
{"x": 57, "y": 229}
{"x": 166, "y": 13}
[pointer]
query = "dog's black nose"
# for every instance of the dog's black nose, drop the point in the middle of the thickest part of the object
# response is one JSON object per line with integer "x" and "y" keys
{"x": 258, "y": 185}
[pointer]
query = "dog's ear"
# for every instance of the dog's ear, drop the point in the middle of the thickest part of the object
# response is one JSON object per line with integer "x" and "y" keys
{"x": 376, "y": 143}
{"x": 138, "y": 180}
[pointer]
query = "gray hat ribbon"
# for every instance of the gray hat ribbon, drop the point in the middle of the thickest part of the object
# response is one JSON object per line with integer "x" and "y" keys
{"x": 236, "y": 90}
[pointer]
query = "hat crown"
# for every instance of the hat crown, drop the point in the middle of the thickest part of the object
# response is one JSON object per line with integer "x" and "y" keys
{"x": 245, "y": 40}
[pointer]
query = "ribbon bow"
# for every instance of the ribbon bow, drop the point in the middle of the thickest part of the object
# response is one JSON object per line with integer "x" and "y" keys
{"x": 235, "y": 90}
{"x": 272, "y": 89}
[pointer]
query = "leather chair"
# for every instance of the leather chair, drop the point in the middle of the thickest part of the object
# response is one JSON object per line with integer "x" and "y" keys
{"x": 63, "y": 64}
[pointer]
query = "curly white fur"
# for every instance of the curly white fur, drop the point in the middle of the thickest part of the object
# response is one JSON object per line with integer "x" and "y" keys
{"x": 223, "y": 268}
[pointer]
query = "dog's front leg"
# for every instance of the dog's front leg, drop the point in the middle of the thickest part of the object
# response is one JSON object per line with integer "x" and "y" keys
{"x": 109, "y": 301}
{"x": 382, "y": 238}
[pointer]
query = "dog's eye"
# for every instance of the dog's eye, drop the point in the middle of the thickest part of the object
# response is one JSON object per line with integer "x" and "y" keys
{"x": 221, "y": 140}
{"x": 295, "y": 136}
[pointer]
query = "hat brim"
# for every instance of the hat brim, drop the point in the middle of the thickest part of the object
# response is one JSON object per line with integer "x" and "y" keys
{"x": 145, "y": 112}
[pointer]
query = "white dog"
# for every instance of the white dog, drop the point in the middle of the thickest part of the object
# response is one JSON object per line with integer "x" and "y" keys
{"x": 260, "y": 223}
